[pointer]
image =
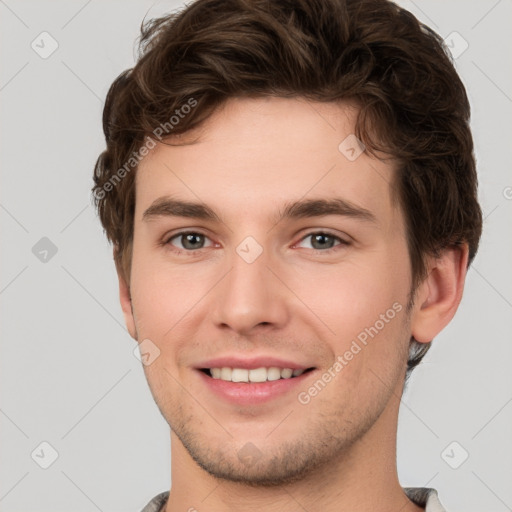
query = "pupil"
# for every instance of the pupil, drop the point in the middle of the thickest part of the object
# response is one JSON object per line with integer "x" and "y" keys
{"x": 321, "y": 238}
{"x": 192, "y": 239}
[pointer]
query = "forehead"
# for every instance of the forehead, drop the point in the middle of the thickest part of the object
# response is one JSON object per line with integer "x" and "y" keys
{"x": 254, "y": 155}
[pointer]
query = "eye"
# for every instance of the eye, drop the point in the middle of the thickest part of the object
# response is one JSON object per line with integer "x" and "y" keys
{"x": 324, "y": 242}
{"x": 189, "y": 241}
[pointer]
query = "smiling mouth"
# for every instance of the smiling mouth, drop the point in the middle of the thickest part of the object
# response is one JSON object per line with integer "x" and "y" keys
{"x": 256, "y": 375}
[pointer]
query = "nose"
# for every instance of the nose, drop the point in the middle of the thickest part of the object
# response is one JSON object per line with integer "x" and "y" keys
{"x": 250, "y": 296}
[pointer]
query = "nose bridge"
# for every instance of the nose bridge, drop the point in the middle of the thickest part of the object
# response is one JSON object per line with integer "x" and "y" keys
{"x": 250, "y": 294}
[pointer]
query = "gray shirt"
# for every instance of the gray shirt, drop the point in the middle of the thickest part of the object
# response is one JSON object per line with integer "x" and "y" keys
{"x": 422, "y": 496}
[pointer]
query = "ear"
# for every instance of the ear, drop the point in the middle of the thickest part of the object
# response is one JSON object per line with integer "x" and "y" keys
{"x": 439, "y": 295}
{"x": 125, "y": 300}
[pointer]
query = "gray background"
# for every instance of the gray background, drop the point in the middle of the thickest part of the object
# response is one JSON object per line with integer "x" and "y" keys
{"x": 68, "y": 373}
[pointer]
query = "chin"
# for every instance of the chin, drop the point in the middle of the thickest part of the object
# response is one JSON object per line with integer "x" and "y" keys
{"x": 268, "y": 467}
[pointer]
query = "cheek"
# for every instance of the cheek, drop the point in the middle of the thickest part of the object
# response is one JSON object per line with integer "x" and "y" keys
{"x": 168, "y": 300}
{"x": 364, "y": 305}
{"x": 154, "y": 296}
{"x": 342, "y": 299}
{"x": 353, "y": 296}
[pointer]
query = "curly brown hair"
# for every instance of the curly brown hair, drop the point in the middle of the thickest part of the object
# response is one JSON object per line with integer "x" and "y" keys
{"x": 413, "y": 105}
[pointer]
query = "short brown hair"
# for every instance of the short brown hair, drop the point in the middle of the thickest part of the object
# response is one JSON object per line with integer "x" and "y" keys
{"x": 413, "y": 105}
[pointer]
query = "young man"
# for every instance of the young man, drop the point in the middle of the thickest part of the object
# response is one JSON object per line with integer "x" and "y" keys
{"x": 291, "y": 193}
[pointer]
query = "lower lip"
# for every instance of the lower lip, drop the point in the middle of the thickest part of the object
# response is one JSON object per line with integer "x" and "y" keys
{"x": 252, "y": 393}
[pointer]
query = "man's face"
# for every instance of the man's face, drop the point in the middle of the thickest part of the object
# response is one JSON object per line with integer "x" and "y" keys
{"x": 251, "y": 291}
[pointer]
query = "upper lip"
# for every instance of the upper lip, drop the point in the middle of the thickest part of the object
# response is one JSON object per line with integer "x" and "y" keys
{"x": 251, "y": 363}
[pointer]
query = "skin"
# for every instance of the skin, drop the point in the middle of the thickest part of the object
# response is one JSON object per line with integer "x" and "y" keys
{"x": 337, "y": 452}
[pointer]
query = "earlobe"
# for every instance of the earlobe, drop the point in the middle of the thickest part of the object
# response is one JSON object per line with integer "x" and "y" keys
{"x": 439, "y": 295}
{"x": 126, "y": 302}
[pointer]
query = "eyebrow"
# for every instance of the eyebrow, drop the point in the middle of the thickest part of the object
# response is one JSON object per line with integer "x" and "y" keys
{"x": 168, "y": 207}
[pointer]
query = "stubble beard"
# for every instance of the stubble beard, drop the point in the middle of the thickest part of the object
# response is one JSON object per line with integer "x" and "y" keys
{"x": 321, "y": 447}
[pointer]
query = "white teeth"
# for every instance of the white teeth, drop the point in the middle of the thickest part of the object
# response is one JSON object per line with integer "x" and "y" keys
{"x": 273, "y": 373}
{"x": 258, "y": 375}
{"x": 255, "y": 375}
{"x": 286, "y": 373}
{"x": 225, "y": 373}
{"x": 240, "y": 375}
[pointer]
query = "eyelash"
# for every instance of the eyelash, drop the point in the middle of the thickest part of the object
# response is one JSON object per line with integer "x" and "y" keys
{"x": 194, "y": 252}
